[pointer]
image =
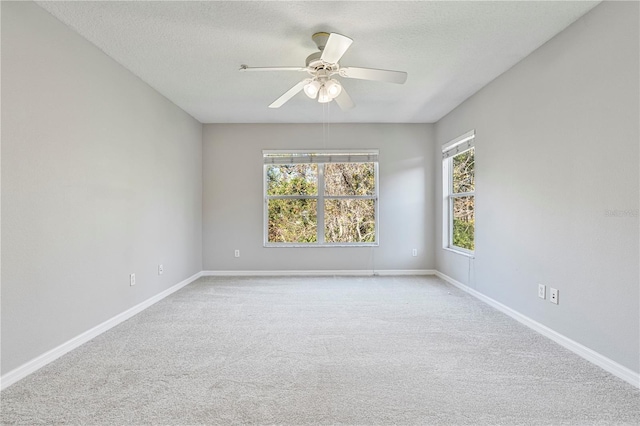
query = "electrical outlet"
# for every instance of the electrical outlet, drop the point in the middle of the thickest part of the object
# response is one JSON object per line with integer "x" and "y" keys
{"x": 554, "y": 294}
{"x": 542, "y": 291}
{"x": 237, "y": 253}
{"x": 414, "y": 253}
{"x": 160, "y": 269}
{"x": 132, "y": 279}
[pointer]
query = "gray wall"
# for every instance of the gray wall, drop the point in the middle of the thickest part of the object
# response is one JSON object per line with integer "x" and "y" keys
{"x": 556, "y": 147}
{"x": 233, "y": 197}
{"x": 101, "y": 177}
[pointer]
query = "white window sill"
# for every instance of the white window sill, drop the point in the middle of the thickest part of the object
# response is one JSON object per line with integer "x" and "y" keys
{"x": 463, "y": 253}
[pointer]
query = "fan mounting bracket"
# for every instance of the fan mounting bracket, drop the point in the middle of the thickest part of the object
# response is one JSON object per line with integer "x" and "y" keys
{"x": 320, "y": 39}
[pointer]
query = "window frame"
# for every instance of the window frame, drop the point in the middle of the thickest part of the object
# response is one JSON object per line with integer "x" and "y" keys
{"x": 320, "y": 197}
{"x": 451, "y": 149}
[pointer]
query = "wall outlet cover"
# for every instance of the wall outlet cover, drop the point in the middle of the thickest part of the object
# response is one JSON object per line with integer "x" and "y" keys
{"x": 542, "y": 291}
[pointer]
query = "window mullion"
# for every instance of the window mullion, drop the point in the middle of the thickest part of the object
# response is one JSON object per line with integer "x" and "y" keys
{"x": 350, "y": 197}
{"x": 291, "y": 197}
{"x": 463, "y": 194}
{"x": 320, "y": 205}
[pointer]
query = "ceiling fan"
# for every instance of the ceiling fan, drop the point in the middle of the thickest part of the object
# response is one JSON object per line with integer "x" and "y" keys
{"x": 323, "y": 66}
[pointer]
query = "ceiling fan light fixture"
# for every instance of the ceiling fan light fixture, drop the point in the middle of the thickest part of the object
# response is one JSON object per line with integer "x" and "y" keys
{"x": 323, "y": 95}
{"x": 311, "y": 89}
{"x": 333, "y": 88}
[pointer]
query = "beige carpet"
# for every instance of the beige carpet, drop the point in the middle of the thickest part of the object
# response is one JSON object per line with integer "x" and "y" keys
{"x": 298, "y": 351}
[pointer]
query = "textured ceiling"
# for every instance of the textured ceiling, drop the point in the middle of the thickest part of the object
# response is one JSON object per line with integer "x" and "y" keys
{"x": 191, "y": 51}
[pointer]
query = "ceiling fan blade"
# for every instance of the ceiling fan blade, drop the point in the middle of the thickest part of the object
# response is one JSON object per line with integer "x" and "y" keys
{"x": 388, "y": 76}
{"x": 244, "y": 68}
{"x": 288, "y": 95}
{"x": 336, "y": 45}
{"x": 344, "y": 101}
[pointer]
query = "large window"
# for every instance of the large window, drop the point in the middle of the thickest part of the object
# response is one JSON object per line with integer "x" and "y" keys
{"x": 320, "y": 198}
{"x": 458, "y": 177}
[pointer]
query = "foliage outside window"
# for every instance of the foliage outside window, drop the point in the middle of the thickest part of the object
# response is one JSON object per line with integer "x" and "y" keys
{"x": 459, "y": 195}
{"x": 320, "y": 198}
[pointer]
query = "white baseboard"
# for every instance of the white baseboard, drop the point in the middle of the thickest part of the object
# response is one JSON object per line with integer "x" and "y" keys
{"x": 594, "y": 357}
{"x": 337, "y": 272}
{"x": 35, "y": 364}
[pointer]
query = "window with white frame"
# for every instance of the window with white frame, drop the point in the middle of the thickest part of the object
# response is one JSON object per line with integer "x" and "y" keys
{"x": 458, "y": 209}
{"x": 320, "y": 198}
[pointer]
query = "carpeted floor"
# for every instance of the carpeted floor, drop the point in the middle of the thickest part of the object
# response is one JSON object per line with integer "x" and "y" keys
{"x": 337, "y": 350}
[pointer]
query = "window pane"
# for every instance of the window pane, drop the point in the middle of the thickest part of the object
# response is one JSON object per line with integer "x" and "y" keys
{"x": 292, "y": 221}
{"x": 349, "y": 221}
{"x": 349, "y": 179}
{"x": 463, "y": 172}
{"x": 292, "y": 179}
{"x": 463, "y": 222}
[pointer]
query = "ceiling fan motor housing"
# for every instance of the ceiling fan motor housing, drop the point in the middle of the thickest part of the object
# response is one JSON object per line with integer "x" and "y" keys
{"x": 313, "y": 61}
